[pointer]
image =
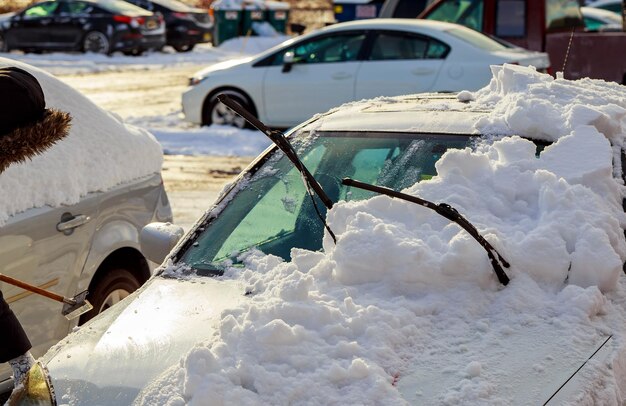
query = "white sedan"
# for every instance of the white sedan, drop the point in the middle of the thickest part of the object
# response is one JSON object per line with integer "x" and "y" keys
{"x": 349, "y": 61}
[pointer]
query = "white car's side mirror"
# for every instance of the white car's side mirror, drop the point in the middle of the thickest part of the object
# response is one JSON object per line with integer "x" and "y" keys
{"x": 288, "y": 60}
{"x": 158, "y": 239}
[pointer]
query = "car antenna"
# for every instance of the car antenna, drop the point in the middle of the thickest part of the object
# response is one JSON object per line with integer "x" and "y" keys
{"x": 281, "y": 142}
{"x": 448, "y": 212}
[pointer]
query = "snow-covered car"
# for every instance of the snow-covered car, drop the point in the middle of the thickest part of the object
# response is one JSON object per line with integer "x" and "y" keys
{"x": 349, "y": 61}
{"x": 70, "y": 218}
{"x": 259, "y": 305}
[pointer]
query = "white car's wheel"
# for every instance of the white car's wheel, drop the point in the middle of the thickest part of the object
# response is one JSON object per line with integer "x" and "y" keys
{"x": 215, "y": 112}
{"x": 3, "y": 44}
{"x": 96, "y": 42}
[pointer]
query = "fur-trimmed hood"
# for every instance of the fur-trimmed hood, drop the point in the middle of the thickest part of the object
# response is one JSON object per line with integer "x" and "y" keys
{"x": 29, "y": 140}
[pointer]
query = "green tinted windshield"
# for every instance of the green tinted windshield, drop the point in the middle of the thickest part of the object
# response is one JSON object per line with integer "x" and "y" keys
{"x": 272, "y": 212}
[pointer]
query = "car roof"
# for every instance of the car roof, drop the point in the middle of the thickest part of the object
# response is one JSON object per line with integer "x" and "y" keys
{"x": 436, "y": 113}
{"x": 392, "y": 23}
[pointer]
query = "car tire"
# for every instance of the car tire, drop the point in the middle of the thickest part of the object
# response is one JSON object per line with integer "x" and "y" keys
{"x": 96, "y": 42}
{"x": 115, "y": 285}
{"x": 214, "y": 112}
{"x": 183, "y": 47}
{"x": 134, "y": 52}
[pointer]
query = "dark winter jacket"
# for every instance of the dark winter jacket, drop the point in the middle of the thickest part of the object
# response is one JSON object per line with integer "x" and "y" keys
{"x": 13, "y": 340}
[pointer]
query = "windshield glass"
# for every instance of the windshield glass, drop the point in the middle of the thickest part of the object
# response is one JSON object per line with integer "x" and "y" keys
{"x": 272, "y": 212}
{"x": 122, "y": 7}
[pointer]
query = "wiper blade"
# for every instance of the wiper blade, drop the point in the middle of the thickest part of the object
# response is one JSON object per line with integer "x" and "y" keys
{"x": 448, "y": 212}
{"x": 278, "y": 138}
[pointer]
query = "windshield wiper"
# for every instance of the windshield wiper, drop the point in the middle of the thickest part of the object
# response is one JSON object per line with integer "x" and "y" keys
{"x": 278, "y": 138}
{"x": 448, "y": 212}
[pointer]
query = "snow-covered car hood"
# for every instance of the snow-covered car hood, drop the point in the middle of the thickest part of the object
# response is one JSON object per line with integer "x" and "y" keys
{"x": 109, "y": 361}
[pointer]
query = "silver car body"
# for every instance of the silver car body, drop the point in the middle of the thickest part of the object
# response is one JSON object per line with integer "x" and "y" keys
{"x": 69, "y": 248}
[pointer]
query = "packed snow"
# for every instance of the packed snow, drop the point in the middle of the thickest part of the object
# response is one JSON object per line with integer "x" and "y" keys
{"x": 406, "y": 304}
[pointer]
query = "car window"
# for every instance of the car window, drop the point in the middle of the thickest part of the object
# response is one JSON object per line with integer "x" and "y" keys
{"x": 409, "y": 8}
{"x": 272, "y": 211}
{"x": 465, "y": 12}
{"x": 592, "y": 24}
{"x": 511, "y": 18}
{"x": 392, "y": 46}
{"x": 332, "y": 48}
{"x": 76, "y": 8}
{"x": 41, "y": 10}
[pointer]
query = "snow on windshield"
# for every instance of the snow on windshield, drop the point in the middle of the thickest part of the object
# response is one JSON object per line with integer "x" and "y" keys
{"x": 99, "y": 153}
{"x": 406, "y": 304}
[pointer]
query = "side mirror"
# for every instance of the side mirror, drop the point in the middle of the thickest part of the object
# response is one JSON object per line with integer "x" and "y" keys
{"x": 288, "y": 60}
{"x": 158, "y": 239}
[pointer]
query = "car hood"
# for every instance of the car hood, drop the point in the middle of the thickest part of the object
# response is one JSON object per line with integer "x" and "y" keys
{"x": 221, "y": 66}
{"x": 109, "y": 360}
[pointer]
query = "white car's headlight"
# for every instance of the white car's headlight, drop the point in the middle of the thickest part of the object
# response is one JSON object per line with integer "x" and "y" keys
{"x": 35, "y": 390}
{"x": 195, "y": 80}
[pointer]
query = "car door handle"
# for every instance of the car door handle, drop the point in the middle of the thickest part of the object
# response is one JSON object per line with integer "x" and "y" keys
{"x": 341, "y": 75}
{"x": 422, "y": 71}
{"x": 69, "y": 223}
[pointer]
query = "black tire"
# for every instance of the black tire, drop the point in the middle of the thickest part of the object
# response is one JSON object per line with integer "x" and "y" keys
{"x": 115, "y": 285}
{"x": 214, "y": 112}
{"x": 133, "y": 52}
{"x": 96, "y": 42}
{"x": 183, "y": 47}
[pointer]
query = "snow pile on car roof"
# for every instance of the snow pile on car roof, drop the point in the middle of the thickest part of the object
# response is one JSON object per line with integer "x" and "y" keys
{"x": 406, "y": 307}
{"x": 100, "y": 152}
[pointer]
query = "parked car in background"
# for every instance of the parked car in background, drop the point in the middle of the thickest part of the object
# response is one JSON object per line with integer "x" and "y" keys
{"x": 216, "y": 326}
{"x": 99, "y": 26}
{"x": 70, "y": 218}
{"x": 597, "y": 19}
{"x": 185, "y": 26}
{"x": 349, "y": 61}
{"x": 614, "y": 6}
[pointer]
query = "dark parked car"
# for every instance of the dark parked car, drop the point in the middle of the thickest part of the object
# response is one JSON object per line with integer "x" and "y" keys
{"x": 101, "y": 26}
{"x": 185, "y": 26}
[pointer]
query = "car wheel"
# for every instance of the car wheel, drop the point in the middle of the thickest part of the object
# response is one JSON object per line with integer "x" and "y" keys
{"x": 183, "y": 47}
{"x": 96, "y": 42}
{"x": 215, "y": 112}
{"x": 114, "y": 286}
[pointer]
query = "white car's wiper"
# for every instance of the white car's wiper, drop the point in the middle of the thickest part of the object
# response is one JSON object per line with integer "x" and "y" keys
{"x": 278, "y": 138}
{"x": 448, "y": 212}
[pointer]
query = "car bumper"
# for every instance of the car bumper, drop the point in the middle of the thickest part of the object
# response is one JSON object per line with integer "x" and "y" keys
{"x": 188, "y": 35}
{"x": 192, "y": 101}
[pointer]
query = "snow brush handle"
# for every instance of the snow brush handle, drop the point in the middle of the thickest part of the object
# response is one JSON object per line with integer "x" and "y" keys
{"x": 34, "y": 289}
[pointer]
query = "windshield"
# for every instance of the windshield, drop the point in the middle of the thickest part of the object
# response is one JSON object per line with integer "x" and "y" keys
{"x": 272, "y": 212}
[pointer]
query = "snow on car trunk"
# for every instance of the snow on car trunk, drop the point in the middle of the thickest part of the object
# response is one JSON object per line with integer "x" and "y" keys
{"x": 404, "y": 291}
{"x": 100, "y": 152}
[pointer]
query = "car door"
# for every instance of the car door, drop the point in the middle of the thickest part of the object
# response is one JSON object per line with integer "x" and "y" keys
{"x": 322, "y": 76}
{"x": 46, "y": 247}
{"x": 68, "y": 23}
{"x": 31, "y": 28}
{"x": 400, "y": 63}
